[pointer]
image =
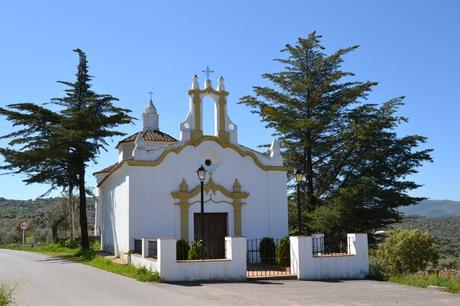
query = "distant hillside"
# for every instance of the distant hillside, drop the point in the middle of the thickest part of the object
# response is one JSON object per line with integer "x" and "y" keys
{"x": 12, "y": 211}
{"x": 433, "y": 208}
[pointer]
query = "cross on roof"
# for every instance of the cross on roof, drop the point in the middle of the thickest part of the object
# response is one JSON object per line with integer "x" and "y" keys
{"x": 151, "y": 94}
{"x": 207, "y": 71}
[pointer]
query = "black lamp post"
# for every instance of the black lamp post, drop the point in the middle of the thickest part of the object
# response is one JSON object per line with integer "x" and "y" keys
{"x": 201, "y": 172}
{"x": 298, "y": 178}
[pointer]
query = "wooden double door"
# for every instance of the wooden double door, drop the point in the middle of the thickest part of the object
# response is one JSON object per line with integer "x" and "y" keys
{"x": 215, "y": 230}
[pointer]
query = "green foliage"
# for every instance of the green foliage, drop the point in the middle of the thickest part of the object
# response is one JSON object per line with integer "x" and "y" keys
{"x": 67, "y": 243}
{"x": 406, "y": 251}
{"x": 283, "y": 252}
{"x": 375, "y": 270}
{"x": 11, "y": 211}
{"x": 267, "y": 250}
{"x": 446, "y": 231}
{"x": 7, "y": 293}
{"x": 182, "y": 249}
{"x": 145, "y": 275}
{"x": 195, "y": 251}
{"x": 57, "y": 216}
{"x": 352, "y": 158}
{"x": 95, "y": 245}
{"x": 448, "y": 283}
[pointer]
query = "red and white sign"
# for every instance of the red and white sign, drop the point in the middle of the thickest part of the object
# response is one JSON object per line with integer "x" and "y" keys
{"x": 24, "y": 225}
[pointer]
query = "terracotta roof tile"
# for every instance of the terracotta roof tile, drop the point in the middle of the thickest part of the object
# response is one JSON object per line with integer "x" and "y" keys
{"x": 150, "y": 135}
{"x": 107, "y": 169}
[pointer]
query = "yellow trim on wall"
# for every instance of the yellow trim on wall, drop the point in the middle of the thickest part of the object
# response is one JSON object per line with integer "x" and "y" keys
{"x": 177, "y": 150}
{"x": 210, "y": 186}
{"x": 184, "y": 196}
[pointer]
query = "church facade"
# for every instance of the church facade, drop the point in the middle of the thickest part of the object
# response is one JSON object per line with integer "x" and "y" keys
{"x": 153, "y": 190}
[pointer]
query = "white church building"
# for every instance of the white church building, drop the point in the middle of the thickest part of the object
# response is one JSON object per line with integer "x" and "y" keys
{"x": 153, "y": 189}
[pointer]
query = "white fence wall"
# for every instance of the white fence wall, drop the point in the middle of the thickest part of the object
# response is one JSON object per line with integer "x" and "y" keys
{"x": 352, "y": 266}
{"x": 232, "y": 268}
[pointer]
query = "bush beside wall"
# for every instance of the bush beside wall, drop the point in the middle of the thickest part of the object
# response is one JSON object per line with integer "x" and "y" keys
{"x": 267, "y": 250}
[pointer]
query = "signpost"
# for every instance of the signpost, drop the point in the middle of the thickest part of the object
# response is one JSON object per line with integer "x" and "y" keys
{"x": 23, "y": 225}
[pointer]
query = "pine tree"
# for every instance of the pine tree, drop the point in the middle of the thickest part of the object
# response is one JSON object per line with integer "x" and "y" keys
{"x": 342, "y": 145}
{"x": 88, "y": 119}
{"x": 34, "y": 149}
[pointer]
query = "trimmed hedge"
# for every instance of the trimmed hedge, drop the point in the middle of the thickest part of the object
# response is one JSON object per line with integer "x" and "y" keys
{"x": 267, "y": 250}
{"x": 182, "y": 249}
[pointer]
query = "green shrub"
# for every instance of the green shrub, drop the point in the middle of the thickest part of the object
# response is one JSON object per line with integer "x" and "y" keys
{"x": 195, "y": 251}
{"x": 7, "y": 294}
{"x": 145, "y": 275}
{"x": 267, "y": 250}
{"x": 182, "y": 249}
{"x": 375, "y": 270}
{"x": 406, "y": 251}
{"x": 67, "y": 243}
{"x": 283, "y": 252}
{"x": 95, "y": 245}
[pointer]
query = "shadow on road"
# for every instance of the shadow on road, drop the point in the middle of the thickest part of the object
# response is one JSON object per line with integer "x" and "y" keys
{"x": 54, "y": 260}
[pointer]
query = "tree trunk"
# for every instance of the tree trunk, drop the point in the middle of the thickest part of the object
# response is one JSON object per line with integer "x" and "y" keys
{"x": 54, "y": 232}
{"x": 83, "y": 219}
{"x": 309, "y": 176}
{"x": 72, "y": 214}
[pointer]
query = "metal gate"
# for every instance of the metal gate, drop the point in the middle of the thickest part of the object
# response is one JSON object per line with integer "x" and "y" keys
{"x": 263, "y": 266}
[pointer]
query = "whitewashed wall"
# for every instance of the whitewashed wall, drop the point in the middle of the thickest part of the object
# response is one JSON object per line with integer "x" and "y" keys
{"x": 232, "y": 268}
{"x": 113, "y": 210}
{"x": 136, "y": 201}
{"x": 309, "y": 267}
{"x": 154, "y": 214}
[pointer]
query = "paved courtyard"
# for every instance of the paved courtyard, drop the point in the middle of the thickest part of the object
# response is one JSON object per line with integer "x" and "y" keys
{"x": 46, "y": 280}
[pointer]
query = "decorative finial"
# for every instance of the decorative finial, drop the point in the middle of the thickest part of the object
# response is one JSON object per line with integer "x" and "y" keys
{"x": 195, "y": 84}
{"x": 220, "y": 85}
{"x": 207, "y": 71}
{"x": 275, "y": 151}
{"x": 236, "y": 186}
{"x": 183, "y": 187}
{"x": 150, "y": 94}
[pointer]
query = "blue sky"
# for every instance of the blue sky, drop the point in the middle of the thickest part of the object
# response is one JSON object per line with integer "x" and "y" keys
{"x": 411, "y": 48}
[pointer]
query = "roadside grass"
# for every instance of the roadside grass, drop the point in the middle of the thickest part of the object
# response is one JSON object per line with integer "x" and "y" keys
{"x": 448, "y": 283}
{"x": 7, "y": 293}
{"x": 90, "y": 258}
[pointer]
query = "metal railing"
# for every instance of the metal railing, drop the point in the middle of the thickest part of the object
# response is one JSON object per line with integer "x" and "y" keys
{"x": 329, "y": 246}
{"x": 253, "y": 251}
{"x": 265, "y": 266}
{"x": 213, "y": 249}
{"x": 137, "y": 246}
{"x": 152, "y": 249}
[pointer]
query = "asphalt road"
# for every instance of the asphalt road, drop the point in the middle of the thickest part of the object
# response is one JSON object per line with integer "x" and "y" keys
{"x": 47, "y": 280}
